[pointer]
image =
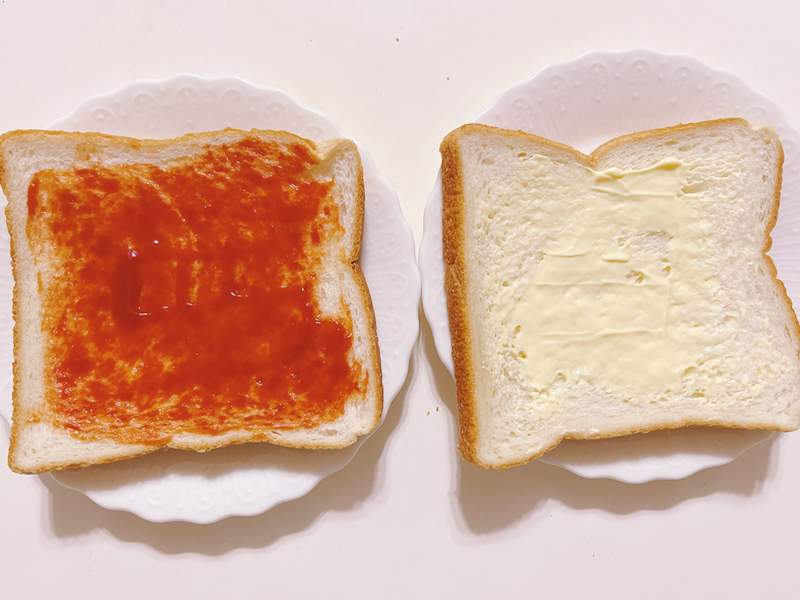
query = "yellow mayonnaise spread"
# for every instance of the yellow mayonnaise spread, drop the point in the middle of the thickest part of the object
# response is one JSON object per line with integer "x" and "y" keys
{"x": 615, "y": 295}
{"x": 599, "y": 301}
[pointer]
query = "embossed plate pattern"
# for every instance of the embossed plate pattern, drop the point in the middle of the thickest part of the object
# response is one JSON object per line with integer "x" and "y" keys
{"x": 583, "y": 103}
{"x": 249, "y": 479}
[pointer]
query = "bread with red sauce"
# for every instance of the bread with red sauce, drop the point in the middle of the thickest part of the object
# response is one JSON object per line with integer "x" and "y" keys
{"x": 190, "y": 293}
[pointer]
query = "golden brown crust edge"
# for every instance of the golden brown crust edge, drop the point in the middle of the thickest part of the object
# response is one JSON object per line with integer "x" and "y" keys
{"x": 15, "y": 310}
{"x": 624, "y": 432}
{"x": 628, "y": 138}
{"x": 124, "y": 142}
{"x": 455, "y": 275}
{"x": 374, "y": 384}
{"x": 773, "y": 270}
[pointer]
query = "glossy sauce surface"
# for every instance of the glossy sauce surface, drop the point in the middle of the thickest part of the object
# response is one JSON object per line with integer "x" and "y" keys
{"x": 181, "y": 298}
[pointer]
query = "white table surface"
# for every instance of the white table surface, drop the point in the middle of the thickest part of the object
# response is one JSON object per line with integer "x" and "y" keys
{"x": 407, "y": 518}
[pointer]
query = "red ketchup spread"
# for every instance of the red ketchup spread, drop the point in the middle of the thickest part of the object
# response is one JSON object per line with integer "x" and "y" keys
{"x": 182, "y": 298}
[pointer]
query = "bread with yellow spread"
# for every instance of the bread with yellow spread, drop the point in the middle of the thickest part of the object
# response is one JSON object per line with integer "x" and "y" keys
{"x": 189, "y": 293}
{"x": 621, "y": 292}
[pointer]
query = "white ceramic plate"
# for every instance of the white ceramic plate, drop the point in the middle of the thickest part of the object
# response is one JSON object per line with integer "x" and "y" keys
{"x": 583, "y": 103}
{"x": 249, "y": 479}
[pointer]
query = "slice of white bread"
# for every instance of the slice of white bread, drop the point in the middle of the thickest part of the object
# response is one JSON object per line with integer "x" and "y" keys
{"x": 622, "y": 292}
{"x": 43, "y": 438}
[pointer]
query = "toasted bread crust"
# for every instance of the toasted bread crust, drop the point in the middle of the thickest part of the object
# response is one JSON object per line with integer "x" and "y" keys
{"x": 466, "y": 355}
{"x": 89, "y": 149}
{"x": 454, "y": 251}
